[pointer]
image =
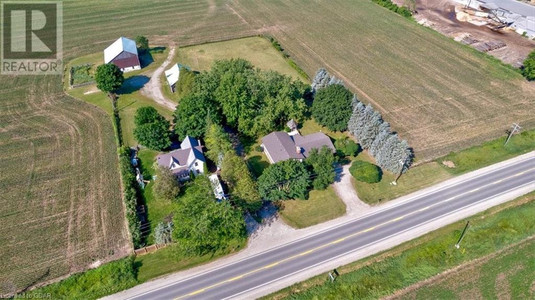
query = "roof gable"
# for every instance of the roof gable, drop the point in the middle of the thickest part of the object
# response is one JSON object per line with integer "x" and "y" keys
{"x": 282, "y": 146}
{"x": 122, "y": 44}
{"x": 189, "y": 142}
{"x": 172, "y": 74}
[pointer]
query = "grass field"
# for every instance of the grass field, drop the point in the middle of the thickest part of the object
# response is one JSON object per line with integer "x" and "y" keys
{"x": 257, "y": 50}
{"x": 431, "y": 254}
{"x": 440, "y": 95}
{"x": 507, "y": 274}
{"x": 320, "y": 206}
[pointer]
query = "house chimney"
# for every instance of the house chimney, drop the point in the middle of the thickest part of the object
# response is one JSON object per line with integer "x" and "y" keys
{"x": 298, "y": 149}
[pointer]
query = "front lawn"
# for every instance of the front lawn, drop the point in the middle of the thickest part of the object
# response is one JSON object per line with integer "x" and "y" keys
{"x": 320, "y": 206}
{"x": 415, "y": 179}
{"x": 170, "y": 259}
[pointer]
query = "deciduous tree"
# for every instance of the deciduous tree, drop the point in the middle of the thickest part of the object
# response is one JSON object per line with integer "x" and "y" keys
{"x": 142, "y": 43}
{"x": 332, "y": 107}
{"x": 166, "y": 186}
{"x": 201, "y": 224}
{"x": 287, "y": 179}
{"x": 109, "y": 79}
{"x": 321, "y": 162}
{"x": 154, "y": 135}
{"x": 244, "y": 190}
{"x": 193, "y": 114}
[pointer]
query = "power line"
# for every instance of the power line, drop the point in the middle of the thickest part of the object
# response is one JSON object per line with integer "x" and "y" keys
{"x": 516, "y": 128}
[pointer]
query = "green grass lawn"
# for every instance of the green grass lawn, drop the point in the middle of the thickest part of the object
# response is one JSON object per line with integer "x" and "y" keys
{"x": 311, "y": 126}
{"x": 320, "y": 206}
{"x": 415, "y": 179}
{"x": 427, "y": 174}
{"x": 431, "y": 254}
{"x": 170, "y": 259}
{"x": 257, "y": 50}
{"x": 505, "y": 275}
{"x": 490, "y": 152}
{"x": 158, "y": 210}
{"x": 129, "y": 100}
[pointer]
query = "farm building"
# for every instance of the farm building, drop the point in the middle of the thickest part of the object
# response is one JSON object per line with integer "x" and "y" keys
{"x": 280, "y": 145}
{"x": 189, "y": 158}
{"x": 123, "y": 54}
{"x": 172, "y": 76}
{"x": 515, "y": 14}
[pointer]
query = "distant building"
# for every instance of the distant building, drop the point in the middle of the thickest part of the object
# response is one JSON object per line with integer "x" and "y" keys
{"x": 123, "y": 54}
{"x": 516, "y": 14}
{"x": 189, "y": 158}
{"x": 280, "y": 145}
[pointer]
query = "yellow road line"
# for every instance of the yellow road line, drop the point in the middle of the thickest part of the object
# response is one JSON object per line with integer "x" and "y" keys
{"x": 343, "y": 239}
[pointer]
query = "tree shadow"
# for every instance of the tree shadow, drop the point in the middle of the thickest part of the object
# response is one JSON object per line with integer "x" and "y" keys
{"x": 145, "y": 59}
{"x": 257, "y": 165}
{"x": 133, "y": 84}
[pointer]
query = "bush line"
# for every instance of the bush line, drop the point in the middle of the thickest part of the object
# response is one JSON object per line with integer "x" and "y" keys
{"x": 286, "y": 56}
{"x": 131, "y": 195}
{"x": 400, "y": 10}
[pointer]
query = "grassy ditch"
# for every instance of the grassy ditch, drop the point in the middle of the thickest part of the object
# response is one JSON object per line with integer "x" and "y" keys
{"x": 426, "y": 256}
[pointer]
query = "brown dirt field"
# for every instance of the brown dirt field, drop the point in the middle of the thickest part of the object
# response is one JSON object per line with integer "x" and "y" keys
{"x": 61, "y": 208}
{"x": 441, "y": 13}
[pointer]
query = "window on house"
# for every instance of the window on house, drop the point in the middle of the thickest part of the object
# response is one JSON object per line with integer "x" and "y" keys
{"x": 196, "y": 163}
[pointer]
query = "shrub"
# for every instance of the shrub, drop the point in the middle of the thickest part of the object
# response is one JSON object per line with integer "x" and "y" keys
{"x": 365, "y": 172}
{"x": 163, "y": 233}
{"x": 528, "y": 69}
{"x": 347, "y": 146}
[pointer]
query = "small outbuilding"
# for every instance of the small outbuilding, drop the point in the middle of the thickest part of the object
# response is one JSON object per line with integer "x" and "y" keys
{"x": 172, "y": 76}
{"x": 123, "y": 54}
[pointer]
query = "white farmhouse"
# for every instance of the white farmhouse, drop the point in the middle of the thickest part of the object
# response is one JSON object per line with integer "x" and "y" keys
{"x": 189, "y": 158}
{"x": 123, "y": 54}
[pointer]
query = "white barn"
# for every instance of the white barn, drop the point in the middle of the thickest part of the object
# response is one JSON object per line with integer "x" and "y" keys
{"x": 123, "y": 54}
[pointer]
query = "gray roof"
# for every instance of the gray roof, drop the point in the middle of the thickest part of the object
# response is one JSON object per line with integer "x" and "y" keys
{"x": 181, "y": 158}
{"x": 512, "y": 6}
{"x": 313, "y": 141}
{"x": 189, "y": 142}
{"x": 281, "y": 146}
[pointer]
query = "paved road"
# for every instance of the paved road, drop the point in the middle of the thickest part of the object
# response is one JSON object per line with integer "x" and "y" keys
{"x": 235, "y": 279}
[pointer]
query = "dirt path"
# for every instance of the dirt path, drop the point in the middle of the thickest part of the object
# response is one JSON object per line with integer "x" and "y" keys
{"x": 152, "y": 89}
{"x": 344, "y": 189}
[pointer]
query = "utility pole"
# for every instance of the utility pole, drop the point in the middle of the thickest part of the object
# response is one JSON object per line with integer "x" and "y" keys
{"x": 402, "y": 163}
{"x": 516, "y": 128}
{"x": 462, "y": 235}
